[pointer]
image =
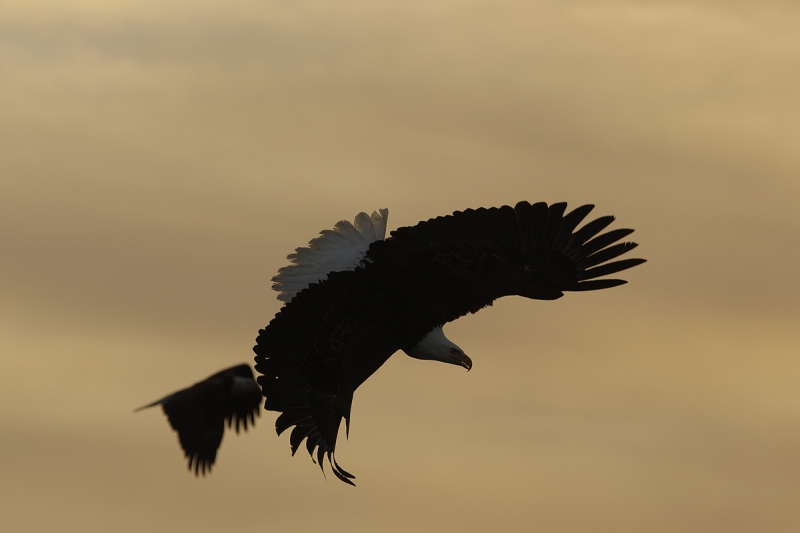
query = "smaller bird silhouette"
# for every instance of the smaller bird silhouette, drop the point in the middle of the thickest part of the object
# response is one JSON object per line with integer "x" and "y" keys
{"x": 198, "y": 413}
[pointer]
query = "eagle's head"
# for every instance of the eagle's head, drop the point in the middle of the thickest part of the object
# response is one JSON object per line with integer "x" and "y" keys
{"x": 436, "y": 347}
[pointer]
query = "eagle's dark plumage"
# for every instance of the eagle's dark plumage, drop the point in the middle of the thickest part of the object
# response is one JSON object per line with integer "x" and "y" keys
{"x": 336, "y": 333}
{"x": 199, "y": 413}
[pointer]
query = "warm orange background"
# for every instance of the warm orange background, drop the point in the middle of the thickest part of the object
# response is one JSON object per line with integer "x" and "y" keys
{"x": 159, "y": 159}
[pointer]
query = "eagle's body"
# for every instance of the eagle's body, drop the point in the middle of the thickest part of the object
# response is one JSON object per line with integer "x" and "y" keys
{"x": 398, "y": 294}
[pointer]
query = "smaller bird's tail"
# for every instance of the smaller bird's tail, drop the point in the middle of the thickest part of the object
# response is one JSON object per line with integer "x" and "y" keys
{"x": 157, "y": 402}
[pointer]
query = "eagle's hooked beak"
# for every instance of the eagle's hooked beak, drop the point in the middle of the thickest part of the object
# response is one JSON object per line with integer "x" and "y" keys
{"x": 458, "y": 357}
{"x": 465, "y": 361}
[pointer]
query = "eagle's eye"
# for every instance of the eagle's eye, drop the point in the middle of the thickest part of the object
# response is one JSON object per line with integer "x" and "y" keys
{"x": 454, "y": 351}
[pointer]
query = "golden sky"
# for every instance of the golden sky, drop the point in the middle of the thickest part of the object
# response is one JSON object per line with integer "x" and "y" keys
{"x": 159, "y": 160}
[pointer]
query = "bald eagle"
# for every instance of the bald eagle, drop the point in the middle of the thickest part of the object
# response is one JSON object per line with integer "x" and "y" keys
{"x": 355, "y": 298}
{"x": 198, "y": 413}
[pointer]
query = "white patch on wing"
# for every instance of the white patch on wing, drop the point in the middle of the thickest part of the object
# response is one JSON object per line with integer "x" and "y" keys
{"x": 341, "y": 248}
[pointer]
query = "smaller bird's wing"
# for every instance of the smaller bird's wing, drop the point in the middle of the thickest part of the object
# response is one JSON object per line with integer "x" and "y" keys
{"x": 244, "y": 401}
{"x": 198, "y": 413}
